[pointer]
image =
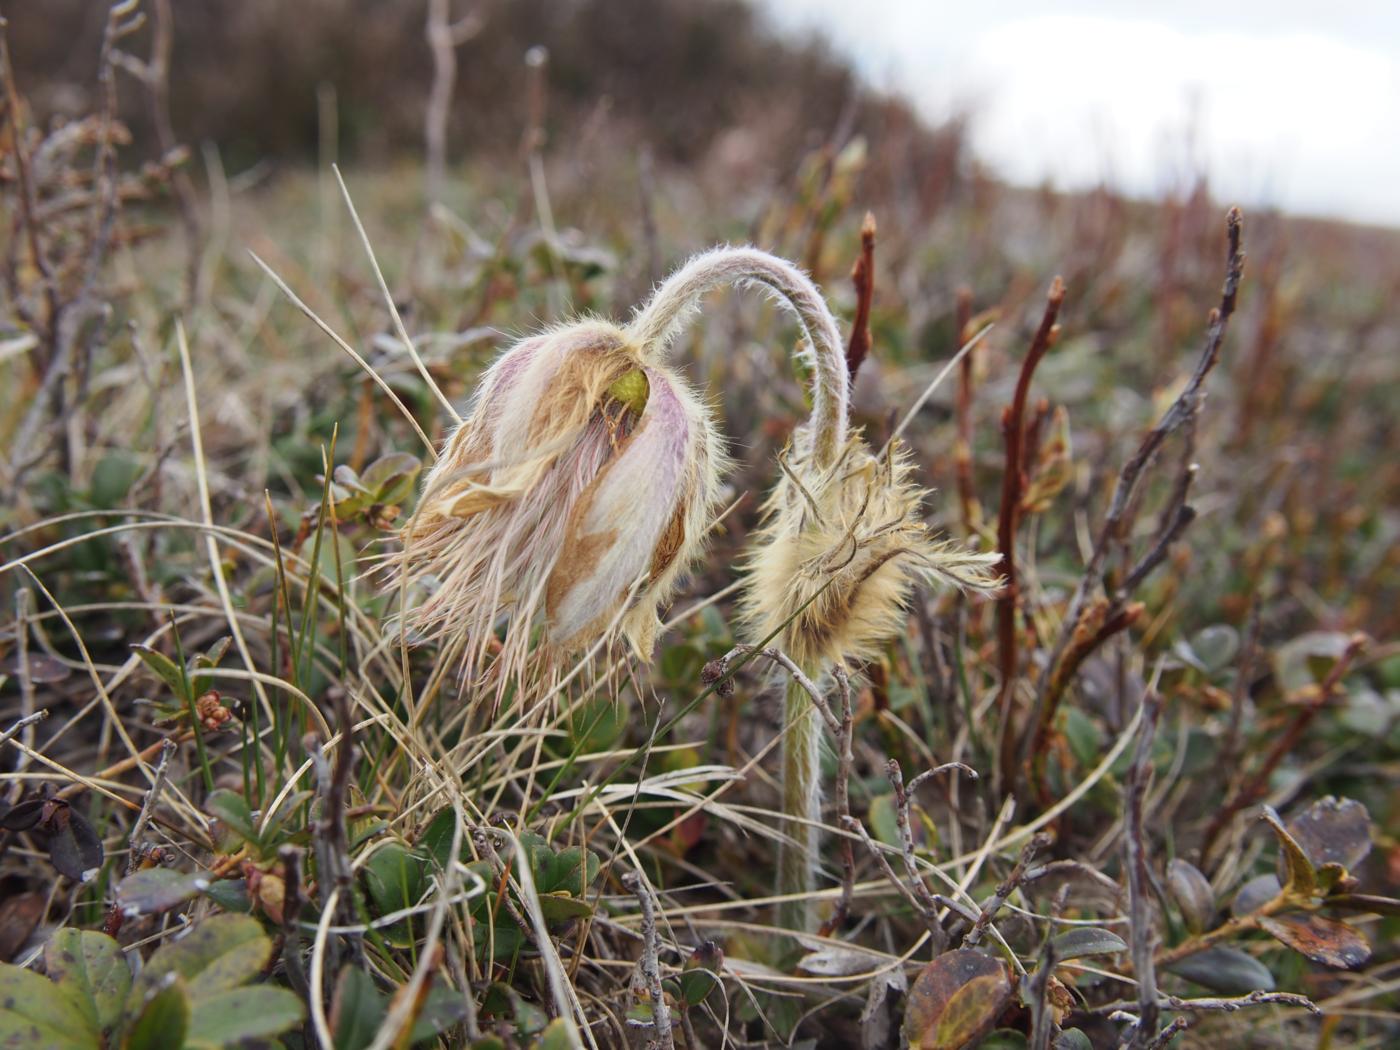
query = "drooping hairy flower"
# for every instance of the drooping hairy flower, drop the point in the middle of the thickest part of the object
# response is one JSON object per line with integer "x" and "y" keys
{"x": 572, "y": 497}
{"x": 839, "y": 551}
{"x": 581, "y": 486}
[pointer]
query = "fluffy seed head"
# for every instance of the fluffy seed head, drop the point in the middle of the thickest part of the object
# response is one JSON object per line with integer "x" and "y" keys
{"x": 839, "y": 552}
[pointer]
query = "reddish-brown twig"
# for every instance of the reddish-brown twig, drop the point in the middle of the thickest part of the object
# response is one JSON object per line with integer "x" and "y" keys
{"x": 1253, "y": 788}
{"x": 863, "y": 277}
{"x": 1013, "y": 428}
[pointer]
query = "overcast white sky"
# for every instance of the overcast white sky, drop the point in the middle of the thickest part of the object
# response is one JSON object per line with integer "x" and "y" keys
{"x": 1294, "y": 103}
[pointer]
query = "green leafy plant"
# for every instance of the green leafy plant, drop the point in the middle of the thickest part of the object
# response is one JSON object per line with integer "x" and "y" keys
{"x": 194, "y": 993}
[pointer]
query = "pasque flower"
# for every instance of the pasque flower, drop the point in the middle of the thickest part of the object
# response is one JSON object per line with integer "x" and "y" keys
{"x": 570, "y": 499}
{"x": 580, "y": 488}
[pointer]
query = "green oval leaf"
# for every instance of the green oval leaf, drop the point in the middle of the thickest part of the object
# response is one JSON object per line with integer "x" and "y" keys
{"x": 237, "y": 1015}
{"x": 1087, "y": 940}
{"x": 357, "y": 1009}
{"x": 394, "y": 877}
{"x": 164, "y": 1018}
{"x": 220, "y": 953}
{"x": 1225, "y": 970}
{"x": 36, "y": 1013}
{"x": 92, "y": 965}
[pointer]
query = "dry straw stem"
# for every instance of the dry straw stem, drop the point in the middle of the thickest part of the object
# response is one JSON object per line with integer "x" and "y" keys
{"x": 393, "y": 307}
{"x": 1182, "y": 412}
{"x": 962, "y": 452}
{"x": 349, "y": 351}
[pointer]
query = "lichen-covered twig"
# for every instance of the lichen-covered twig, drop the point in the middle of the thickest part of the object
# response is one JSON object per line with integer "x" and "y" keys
{"x": 1006, "y": 888}
{"x": 1135, "y": 864}
{"x": 650, "y": 963}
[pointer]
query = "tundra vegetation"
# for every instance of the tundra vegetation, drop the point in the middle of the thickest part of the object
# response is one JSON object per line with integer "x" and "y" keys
{"x": 443, "y": 607}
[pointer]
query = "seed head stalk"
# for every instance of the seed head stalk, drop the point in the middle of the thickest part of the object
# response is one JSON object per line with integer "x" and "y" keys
{"x": 818, "y": 444}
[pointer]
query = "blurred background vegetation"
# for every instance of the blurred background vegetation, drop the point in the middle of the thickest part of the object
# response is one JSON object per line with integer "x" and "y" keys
{"x": 574, "y": 178}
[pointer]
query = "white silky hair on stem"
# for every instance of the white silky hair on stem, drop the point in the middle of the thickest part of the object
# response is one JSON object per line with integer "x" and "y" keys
{"x": 676, "y": 300}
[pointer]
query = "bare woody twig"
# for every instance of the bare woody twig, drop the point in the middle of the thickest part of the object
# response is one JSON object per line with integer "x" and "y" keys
{"x": 293, "y": 900}
{"x": 27, "y": 720}
{"x": 26, "y": 188}
{"x": 333, "y": 864}
{"x": 877, "y": 851}
{"x": 1006, "y": 888}
{"x": 1167, "y": 1034}
{"x": 148, "y": 805}
{"x": 1135, "y": 863}
{"x": 863, "y": 277}
{"x": 1225, "y": 1005}
{"x": 1013, "y": 428}
{"x": 650, "y": 962}
{"x": 913, "y": 889}
{"x": 67, "y": 335}
{"x": 154, "y": 74}
{"x": 1037, "y": 992}
{"x": 1253, "y": 788}
{"x": 444, "y": 37}
{"x": 927, "y": 905}
{"x": 1182, "y": 411}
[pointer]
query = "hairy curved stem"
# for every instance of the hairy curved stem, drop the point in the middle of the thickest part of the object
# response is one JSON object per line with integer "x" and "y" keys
{"x": 658, "y": 323}
{"x": 797, "y": 860}
{"x": 653, "y": 330}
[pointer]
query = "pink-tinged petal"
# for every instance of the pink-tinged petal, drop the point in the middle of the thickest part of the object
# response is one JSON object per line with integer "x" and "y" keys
{"x": 532, "y": 404}
{"x": 622, "y": 517}
{"x": 553, "y": 394}
{"x": 500, "y": 501}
